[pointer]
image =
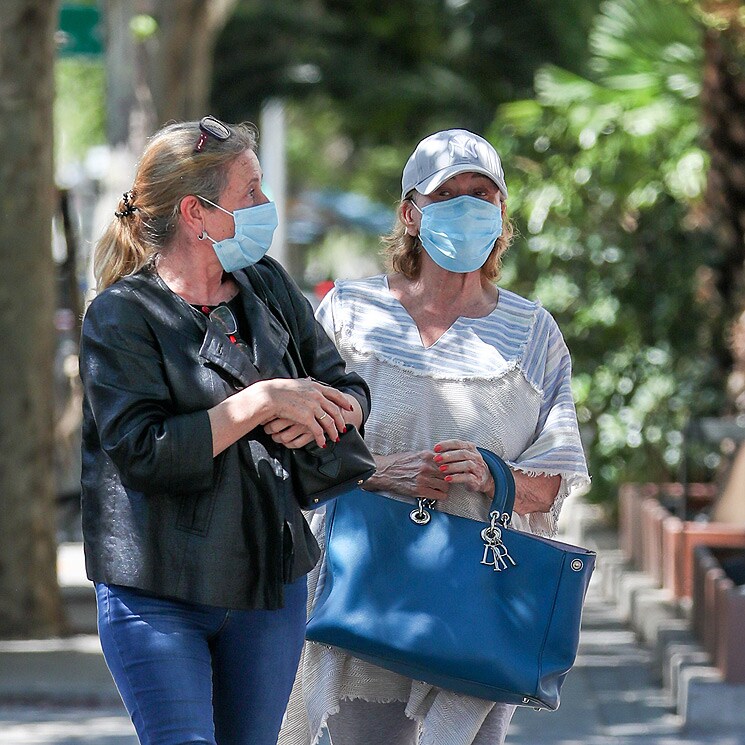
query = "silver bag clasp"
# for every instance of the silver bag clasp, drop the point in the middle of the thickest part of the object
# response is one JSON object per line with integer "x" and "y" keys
{"x": 496, "y": 554}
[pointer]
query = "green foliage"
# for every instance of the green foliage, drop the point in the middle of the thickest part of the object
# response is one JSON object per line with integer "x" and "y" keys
{"x": 143, "y": 27}
{"x": 320, "y": 154}
{"x": 79, "y": 109}
{"x": 603, "y": 172}
{"x": 363, "y": 80}
{"x": 342, "y": 254}
{"x": 396, "y": 69}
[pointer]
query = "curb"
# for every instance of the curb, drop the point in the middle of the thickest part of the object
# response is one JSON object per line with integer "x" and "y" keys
{"x": 70, "y": 671}
{"x": 701, "y": 699}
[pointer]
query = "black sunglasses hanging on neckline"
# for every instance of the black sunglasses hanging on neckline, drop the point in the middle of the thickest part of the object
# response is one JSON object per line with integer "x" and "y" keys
{"x": 223, "y": 318}
{"x": 209, "y": 126}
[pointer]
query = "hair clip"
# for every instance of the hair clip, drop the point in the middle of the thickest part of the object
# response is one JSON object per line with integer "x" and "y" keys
{"x": 129, "y": 208}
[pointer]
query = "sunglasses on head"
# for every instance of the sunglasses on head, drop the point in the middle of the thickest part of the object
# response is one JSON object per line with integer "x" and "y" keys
{"x": 209, "y": 126}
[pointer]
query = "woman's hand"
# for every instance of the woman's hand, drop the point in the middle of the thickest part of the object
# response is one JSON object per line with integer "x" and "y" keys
{"x": 316, "y": 408}
{"x": 294, "y": 434}
{"x": 308, "y": 409}
{"x": 461, "y": 463}
{"x": 411, "y": 474}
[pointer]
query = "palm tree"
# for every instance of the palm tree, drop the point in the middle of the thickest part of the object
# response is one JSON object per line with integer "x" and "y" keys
{"x": 608, "y": 171}
{"x": 723, "y": 107}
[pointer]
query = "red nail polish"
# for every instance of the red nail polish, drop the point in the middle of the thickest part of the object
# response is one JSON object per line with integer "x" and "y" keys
{"x": 443, "y": 468}
{"x": 344, "y": 431}
{"x": 438, "y": 458}
{"x": 336, "y": 440}
{"x": 437, "y": 448}
{"x": 448, "y": 478}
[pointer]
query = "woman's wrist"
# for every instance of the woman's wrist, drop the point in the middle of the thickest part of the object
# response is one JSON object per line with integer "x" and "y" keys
{"x": 237, "y": 415}
{"x": 355, "y": 416}
{"x": 380, "y": 480}
{"x": 488, "y": 488}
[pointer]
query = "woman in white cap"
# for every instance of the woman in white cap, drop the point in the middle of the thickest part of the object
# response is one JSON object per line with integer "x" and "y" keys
{"x": 453, "y": 362}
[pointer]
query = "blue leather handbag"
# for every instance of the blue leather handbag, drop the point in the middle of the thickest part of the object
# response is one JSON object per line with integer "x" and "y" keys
{"x": 477, "y": 608}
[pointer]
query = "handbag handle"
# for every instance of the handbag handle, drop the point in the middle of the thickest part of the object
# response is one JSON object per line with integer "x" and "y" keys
{"x": 504, "y": 483}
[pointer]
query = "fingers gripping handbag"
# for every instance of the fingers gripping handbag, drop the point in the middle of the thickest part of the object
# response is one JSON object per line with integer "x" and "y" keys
{"x": 320, "y": 474}
{"x": 480, "y": 609}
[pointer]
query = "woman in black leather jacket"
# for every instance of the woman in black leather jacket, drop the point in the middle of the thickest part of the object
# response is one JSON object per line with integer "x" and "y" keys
{"x": 192, "y": 396}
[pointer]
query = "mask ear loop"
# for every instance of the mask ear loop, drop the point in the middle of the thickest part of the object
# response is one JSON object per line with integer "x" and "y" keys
{"x": 204, "y": 233}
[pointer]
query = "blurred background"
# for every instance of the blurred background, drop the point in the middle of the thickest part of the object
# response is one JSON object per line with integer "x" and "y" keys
{"x": 621, "y": 125}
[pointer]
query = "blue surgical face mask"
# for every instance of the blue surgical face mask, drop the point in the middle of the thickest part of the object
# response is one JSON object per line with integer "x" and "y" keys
{"x": 254, "y": 230}
{"x": 459, "y": 234}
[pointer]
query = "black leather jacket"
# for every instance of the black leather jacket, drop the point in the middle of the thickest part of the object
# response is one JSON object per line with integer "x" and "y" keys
{"x": 159, "y": 512}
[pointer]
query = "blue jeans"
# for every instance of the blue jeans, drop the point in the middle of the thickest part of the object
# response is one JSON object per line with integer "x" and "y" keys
{"x": 198, "y": 674}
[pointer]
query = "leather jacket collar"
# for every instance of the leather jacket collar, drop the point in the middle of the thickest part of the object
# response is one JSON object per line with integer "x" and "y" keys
{"x": 266, "y": 340}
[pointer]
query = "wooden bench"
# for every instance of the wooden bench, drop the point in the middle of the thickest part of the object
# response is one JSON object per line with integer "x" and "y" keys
{"x": 642, "y": 510}
{"x": 660, "y": 525}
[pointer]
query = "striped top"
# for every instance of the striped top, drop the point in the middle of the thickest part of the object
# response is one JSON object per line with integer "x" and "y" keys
{"x": 363, "y": 313}
{"x": 502, "y": 381}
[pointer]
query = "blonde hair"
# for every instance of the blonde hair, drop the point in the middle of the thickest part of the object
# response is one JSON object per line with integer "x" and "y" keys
{"x": 403, "y": 252}
{"x": 169, "y": 170}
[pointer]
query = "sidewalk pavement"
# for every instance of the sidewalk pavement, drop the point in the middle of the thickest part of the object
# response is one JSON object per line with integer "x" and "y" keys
{"x": 59, "y": 692}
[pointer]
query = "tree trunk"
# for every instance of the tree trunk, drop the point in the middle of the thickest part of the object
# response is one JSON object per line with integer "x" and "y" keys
{"x": 182, "y": 74}
{"x": 121, "y": 61}
{"x": 723, "y": 105}
{"x": 161, "y": 78}
{"x": 29, "y": 594}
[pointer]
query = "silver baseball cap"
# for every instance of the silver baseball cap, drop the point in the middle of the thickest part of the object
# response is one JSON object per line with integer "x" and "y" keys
{"x": 446, "y": 154}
